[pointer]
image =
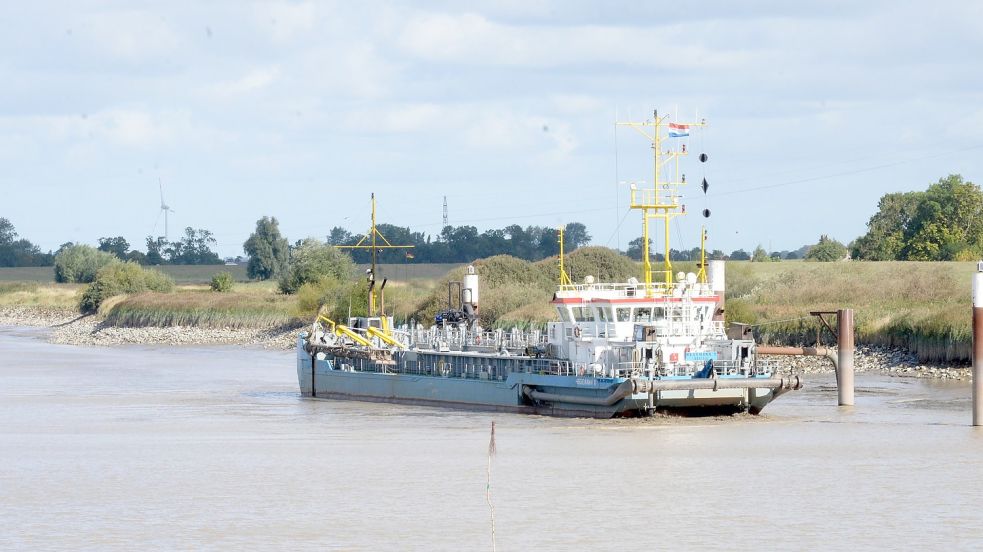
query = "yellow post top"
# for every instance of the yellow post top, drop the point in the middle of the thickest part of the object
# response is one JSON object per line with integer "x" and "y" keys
{"x": 661, "y": 201}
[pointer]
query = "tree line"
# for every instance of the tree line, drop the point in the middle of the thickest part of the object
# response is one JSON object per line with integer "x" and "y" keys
{"x": 942, "y": 223}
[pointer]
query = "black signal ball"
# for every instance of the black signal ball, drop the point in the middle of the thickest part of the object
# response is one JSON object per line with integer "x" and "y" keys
{"x": 706, "y": 213}
{"x": 703, "y": 158}
{"x": 705, "y": 185}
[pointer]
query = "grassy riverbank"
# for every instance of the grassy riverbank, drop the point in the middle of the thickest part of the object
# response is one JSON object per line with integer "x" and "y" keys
{"x": 921, "y": 307}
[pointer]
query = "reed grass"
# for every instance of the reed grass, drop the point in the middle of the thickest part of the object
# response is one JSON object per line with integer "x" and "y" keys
{"x": 33, "y": 294}
{"x": 191, "y": 307}
{"x": 921, "y": 306}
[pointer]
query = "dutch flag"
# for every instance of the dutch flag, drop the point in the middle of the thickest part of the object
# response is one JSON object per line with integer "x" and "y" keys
{"x": 678, "y": 131}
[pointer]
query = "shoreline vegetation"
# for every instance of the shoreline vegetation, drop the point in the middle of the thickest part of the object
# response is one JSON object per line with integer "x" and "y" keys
{"x": 916, "y": 310}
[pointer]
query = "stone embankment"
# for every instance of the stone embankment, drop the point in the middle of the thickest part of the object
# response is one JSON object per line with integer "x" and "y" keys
{"x": 69, "y": 328}
{"x": 36, "y": 316}
{"x": 876, "y": 359}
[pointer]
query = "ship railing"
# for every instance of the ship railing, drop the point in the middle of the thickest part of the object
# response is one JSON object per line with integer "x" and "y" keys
{"x": 457, "y": 339}
{"x": 735, "y": 367}
{"x": 629, "y": 290}
{"x": 721, "y": 368}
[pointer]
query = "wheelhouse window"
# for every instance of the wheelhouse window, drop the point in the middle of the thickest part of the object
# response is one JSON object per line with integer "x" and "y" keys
{"x": 602, "y": 314}
{"x": 624, "y": 314}
{"x": 564, "y": 314}
{"x": 643, "y": 314}
{"x": 583, "y": 314}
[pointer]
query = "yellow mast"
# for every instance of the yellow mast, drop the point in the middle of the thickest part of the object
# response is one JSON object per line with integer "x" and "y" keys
{"x": 564, "y": 278}
{"x": 662, "y": 201}
{"x": 371, "y": 235}
{"x": 702, "y": 275}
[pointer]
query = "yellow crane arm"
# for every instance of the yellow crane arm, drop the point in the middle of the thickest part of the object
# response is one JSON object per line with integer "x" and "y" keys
{"x": 382, "y": 335}
{"x": 340, "y": 329}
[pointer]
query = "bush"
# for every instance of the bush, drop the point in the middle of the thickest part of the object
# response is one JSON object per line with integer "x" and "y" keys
{"x": 78, "y": 264}
{"x": 222, "y": 282}
{"x": 118, "y": 278}
{"x": 313, "y": 261}
{"x": 739, "y": 310}
{"x": 604, "y": 264}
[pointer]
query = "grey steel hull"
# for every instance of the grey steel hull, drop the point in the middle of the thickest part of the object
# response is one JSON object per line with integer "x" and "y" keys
{"x": 568, "y": 395}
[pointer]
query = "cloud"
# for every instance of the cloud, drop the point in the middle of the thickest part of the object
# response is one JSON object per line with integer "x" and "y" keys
{"x": 130, "y": 36}
{"x": 474, "y": 39}
{"x": 255, "y": 79}
{"x": 286, "y": 21}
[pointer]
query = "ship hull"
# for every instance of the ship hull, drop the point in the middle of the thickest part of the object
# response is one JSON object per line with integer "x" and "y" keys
{"x": 515, "y": 392}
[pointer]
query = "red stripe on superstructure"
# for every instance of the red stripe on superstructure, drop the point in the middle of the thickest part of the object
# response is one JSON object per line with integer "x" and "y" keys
{"x": 567, "y": 300}
{"x": 711, "y": 299}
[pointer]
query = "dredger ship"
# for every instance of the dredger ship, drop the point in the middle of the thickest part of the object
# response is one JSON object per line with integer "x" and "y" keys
{"x": 627, "y": 348}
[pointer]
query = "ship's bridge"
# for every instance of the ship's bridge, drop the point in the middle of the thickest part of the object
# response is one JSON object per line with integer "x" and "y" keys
{"x": 632, "y": 312}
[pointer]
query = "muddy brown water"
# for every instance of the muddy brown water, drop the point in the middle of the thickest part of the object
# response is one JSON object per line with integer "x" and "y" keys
{"x": 212, "y": 447}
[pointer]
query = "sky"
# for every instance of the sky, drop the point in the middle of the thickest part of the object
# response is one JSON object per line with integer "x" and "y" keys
{"x": 300, "y": 110}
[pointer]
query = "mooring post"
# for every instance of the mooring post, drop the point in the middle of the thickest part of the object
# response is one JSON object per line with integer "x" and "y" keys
{"x": 844, "y": 366}
{"x": 978, "y": 345}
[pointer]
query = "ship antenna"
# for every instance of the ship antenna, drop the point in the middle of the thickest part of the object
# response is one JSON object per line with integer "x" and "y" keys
{"x": 371, "y": 241}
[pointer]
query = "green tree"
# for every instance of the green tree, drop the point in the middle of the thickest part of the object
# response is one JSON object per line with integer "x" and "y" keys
{"x": 7, "y": 232}
{"x": 80, "y": 263}
{"x": 117, "y": 246}
{"x": 313, "y": 261}
{"x": 760, "y": 255}
{"x": 739, "y": 255}
{"x": 268, "y": 251}
{"x": 155, "y": 251}
{"x": 635, "y": 248}
{"x": 945, "y": 222}
{"x": 827, "y": 250}
{"x": 575, "y": 235}
{"x": 193, "y": 249}
{"x": 14, "y": 252}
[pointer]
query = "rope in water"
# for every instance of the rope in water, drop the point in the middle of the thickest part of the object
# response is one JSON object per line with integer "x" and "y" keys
{"x": 488, "y": 499}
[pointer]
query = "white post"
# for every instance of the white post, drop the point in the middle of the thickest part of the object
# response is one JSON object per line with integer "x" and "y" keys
{"x": 978, "y": 345}
{"x": 717, "y": 278}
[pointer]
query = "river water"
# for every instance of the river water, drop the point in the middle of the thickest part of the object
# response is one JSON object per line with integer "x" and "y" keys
{"x": 212, "y": 447}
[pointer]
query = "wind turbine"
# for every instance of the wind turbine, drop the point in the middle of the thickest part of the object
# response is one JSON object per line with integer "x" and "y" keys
{"x": 164, "y": 207}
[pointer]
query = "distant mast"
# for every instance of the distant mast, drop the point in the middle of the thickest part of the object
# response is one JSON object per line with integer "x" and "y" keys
{"x": 662, "y": 200}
